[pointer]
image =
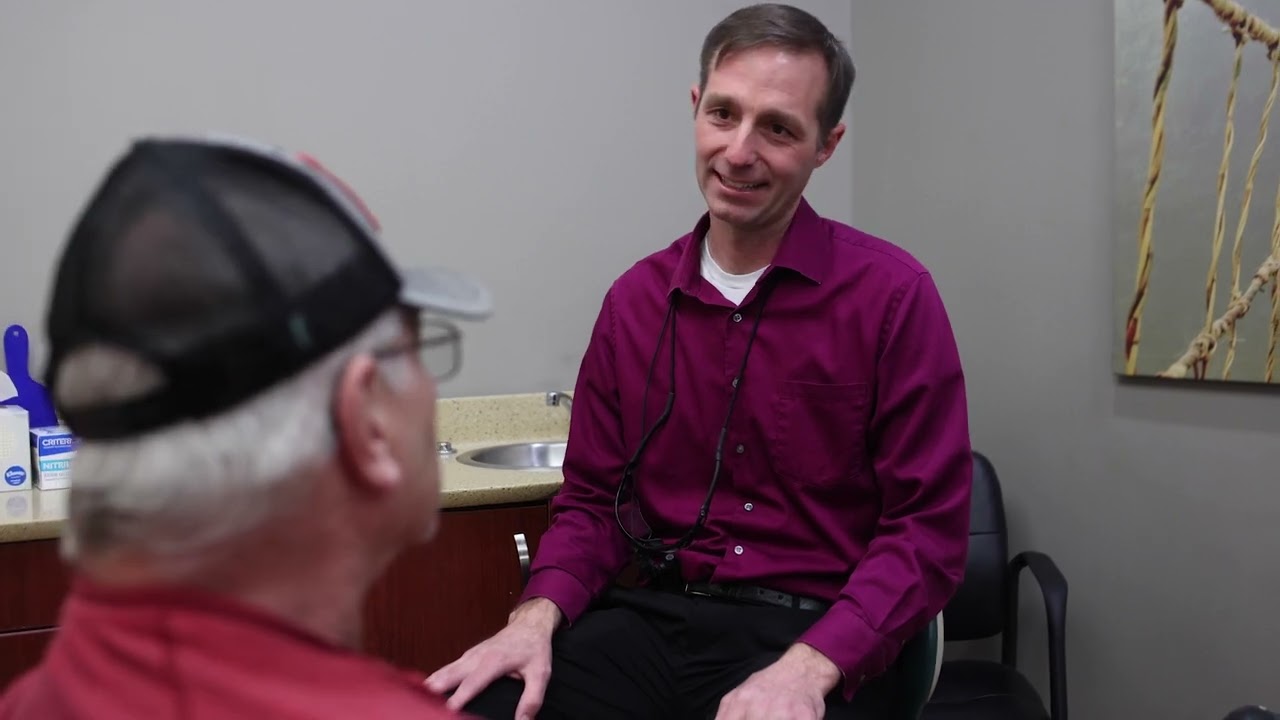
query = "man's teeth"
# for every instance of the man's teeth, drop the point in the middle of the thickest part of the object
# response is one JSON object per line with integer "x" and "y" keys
{"x": 740, "y": 186}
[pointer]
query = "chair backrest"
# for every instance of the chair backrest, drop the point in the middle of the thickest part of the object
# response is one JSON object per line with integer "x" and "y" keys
{"x": 978, "y": 608}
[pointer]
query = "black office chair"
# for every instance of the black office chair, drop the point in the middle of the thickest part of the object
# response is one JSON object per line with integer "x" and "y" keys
{"x": 986, "y": 605}
{"x": 1251, "y": 712}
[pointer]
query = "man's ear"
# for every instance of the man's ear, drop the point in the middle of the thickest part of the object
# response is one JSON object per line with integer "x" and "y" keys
{"x": 694, "y": 95}
{"x": 362, "y": 420}
{"x": 828, "y": 147}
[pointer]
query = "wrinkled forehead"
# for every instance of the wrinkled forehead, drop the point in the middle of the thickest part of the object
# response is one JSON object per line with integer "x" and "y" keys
{"x": 770, "y": 79}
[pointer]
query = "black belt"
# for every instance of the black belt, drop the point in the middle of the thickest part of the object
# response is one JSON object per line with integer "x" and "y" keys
{"x": 753, "y": 594}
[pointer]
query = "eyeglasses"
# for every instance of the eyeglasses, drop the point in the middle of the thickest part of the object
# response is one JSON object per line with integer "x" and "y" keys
{"x": 439, "y": 347}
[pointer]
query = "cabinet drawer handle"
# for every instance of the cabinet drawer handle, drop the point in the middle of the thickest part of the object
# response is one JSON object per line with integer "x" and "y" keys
{"x": 522, "y": 554}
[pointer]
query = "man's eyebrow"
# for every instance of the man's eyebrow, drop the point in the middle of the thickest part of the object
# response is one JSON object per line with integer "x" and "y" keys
{"x": 770, "y": 115}
{"x": 714, "y": 99}
{"x": 783, "y": 118}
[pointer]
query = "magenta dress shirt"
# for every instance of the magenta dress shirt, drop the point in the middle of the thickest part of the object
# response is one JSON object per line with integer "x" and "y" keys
{"x": 847, "y": 463}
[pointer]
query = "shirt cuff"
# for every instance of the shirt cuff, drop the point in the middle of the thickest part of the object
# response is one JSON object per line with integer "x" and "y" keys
{"x": 561, "y": 588}
{"x": 850, "y": 643}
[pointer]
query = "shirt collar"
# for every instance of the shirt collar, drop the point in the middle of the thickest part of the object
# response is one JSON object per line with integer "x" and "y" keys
{"x": 805, "y": 249}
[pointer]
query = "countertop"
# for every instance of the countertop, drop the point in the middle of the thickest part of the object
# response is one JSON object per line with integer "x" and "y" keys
{"x": 466, "y": 423}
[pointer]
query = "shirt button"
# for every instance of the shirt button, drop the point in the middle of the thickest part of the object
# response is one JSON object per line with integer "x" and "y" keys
{"x": 737, "y": 549}
{"x": 741, "y": 449}
{"x": 737, "y": 317}
{"x": 748, "y": 507}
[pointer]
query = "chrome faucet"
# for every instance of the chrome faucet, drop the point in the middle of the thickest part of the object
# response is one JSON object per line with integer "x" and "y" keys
{"x": 560, "y": 398}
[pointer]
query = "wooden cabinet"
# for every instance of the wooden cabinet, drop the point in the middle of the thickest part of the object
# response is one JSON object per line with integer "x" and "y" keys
{"x": 21, "y": 650}
{"x": 32, "y": 583}
{"x": 434, "y": 602}
{"x": 439, "y": 599}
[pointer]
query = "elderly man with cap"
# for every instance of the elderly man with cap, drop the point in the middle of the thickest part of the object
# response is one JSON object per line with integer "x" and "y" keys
{"x": 245, "y": 371}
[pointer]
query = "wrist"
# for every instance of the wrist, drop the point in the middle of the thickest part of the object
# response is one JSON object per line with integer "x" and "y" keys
{"x": 539, "y": 613}
{"x": 814, "y": 666}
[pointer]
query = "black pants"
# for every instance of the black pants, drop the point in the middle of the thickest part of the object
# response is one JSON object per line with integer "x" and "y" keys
{"x": 656, "y": 654}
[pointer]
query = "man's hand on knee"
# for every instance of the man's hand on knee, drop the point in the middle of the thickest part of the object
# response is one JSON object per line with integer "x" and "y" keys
{"x": 522, "y": 650}
{"x": 795, "y": 686}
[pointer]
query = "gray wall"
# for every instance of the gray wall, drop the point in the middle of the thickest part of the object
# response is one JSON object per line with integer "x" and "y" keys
{"x": 984, "y": 136}
{"x": 543, "y": 146}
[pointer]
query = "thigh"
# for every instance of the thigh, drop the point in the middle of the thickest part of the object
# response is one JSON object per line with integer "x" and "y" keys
{"x": 727, "y": 642}
{"x": 870, "y": 702}
{"x": 732, "y": 642}
{"x": 613, "y": 663}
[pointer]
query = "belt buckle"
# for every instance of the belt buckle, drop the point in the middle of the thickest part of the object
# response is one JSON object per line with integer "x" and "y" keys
{"x": 688, "y": 590}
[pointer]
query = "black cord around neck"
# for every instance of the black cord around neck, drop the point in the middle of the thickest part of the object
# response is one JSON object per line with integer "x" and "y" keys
{"x": 652, "y": 544}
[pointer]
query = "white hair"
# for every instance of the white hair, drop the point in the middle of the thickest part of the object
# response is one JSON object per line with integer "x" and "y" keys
{"x": 179, "y": 490}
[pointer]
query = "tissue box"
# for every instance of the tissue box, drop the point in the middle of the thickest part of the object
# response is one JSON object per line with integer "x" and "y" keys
{"x": 52, "y": 449}
{"x": 15, "y": 457}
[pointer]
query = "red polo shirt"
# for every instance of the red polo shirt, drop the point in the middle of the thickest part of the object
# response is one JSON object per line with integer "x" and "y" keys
{"x": 169, "y": 654}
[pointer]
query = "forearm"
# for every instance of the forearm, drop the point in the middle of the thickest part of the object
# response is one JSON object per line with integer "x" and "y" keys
{"x": 583, "y": 550}
{"x": 923, "y": 463}
{"x": 910, "y": 571}
{"x": 855, "y": 650}
{"x": 578, "y": 557}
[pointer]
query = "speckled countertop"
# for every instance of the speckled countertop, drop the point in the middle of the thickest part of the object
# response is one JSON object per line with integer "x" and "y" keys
{"x": 467, "y": 423}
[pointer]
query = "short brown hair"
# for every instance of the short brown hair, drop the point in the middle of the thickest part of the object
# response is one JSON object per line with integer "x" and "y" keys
{"x": 790, "y": 28}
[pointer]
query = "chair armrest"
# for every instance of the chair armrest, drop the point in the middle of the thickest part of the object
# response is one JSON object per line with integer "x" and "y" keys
{"x": 916, "y": 671}
{"x": 522, "y": 555}
{"x": 1053, "y": 586}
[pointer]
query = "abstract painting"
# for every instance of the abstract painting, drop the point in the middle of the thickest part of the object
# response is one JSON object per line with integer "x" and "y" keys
{"x": 1196, "y": 202}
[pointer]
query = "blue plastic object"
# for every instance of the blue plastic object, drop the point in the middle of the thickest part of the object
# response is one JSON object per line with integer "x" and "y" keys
{"x": 31, "y": 395}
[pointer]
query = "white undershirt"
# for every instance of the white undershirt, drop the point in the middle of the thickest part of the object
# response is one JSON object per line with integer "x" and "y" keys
{"x": 733, "y": 287}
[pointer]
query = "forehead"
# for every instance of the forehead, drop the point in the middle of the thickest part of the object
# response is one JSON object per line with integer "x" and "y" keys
{"x": 769, "y": 78}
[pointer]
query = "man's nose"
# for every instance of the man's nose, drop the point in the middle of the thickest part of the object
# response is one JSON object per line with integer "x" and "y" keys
{"x": 741, "y": 149}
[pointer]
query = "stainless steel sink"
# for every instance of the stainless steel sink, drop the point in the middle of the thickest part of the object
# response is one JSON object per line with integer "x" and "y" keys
{"x": 517, "y": 456}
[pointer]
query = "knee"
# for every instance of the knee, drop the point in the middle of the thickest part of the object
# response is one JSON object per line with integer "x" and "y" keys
{"x": 498, "y": 701}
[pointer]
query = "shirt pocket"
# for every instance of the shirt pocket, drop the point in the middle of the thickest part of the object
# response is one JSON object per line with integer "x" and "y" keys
{"x": 820, "y": 430}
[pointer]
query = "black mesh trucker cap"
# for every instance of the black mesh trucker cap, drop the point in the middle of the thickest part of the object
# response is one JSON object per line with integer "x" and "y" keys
{"x": 230, "y": 265}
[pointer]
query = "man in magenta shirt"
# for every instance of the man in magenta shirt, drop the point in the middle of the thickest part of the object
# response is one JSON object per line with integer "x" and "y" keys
{"x": 240, "y": 364}
{"x": 769, "y": 421}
